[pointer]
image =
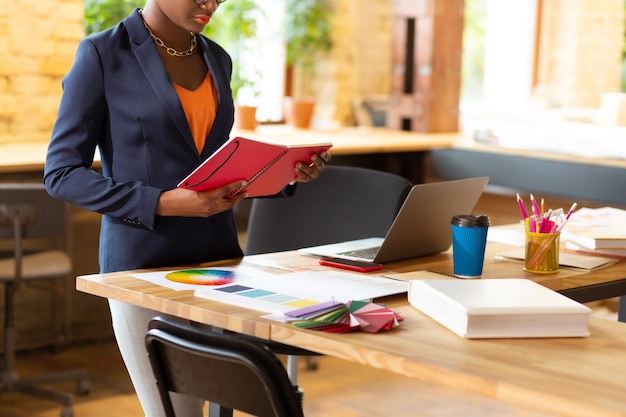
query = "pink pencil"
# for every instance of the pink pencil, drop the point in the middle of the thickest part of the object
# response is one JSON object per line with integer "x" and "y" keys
{"x": 571, "y": 210}
{"x": 535, "y": 207}
{"x": 522, "y": 209}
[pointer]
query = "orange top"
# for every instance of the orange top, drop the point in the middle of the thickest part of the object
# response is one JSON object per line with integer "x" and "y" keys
{"x": 200, "y": 107}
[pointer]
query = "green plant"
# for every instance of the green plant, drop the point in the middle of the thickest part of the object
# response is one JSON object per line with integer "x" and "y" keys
{"x": 307, "y": 30}
{"x": 102, "y": 14}
{"x": 473, "y": 61}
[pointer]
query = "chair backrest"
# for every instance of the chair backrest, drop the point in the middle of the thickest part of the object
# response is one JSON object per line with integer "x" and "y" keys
{"x": 221, "y": 368}
{"x": 344, "y": 203}
{"x": 43, "y": 219}
{"x": 31, "y": 221}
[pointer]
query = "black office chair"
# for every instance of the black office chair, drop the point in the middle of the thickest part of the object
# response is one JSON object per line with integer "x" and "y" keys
{"x": 31, "y": 226}
{"x": 344, "y": 203}
{"x": 229, "y": 372}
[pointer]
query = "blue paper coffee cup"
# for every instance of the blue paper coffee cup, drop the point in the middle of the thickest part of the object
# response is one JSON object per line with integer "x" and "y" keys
{"x": 469, "y": 238}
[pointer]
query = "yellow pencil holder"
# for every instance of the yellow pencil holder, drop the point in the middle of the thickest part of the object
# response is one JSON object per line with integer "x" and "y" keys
{"x": 542, "y": 253}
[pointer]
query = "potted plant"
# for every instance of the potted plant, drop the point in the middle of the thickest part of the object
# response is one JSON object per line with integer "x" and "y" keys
{"x": 307, "y": 31}
{"x": 235, "y": 24}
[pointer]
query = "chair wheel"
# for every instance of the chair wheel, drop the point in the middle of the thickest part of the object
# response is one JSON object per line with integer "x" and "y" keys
{"x": 83, "y": 387}
{"x": 67, "y": 411}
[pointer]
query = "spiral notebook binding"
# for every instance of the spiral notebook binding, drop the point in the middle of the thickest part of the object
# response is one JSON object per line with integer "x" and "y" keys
{"x": 256, "y": 175}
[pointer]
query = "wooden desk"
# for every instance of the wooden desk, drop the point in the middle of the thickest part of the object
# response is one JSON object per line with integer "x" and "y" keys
{"x": 19, "y": 159}
{"x": 565, "y": 376}
{"x": 22, "y": 157}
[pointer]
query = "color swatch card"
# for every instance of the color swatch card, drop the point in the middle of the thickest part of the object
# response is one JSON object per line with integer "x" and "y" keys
{"x": 278, "y": 294}
{"x": 336, "y": 317}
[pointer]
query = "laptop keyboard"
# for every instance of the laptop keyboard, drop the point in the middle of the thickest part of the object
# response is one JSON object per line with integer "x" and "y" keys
{"x": 365, "y": 253}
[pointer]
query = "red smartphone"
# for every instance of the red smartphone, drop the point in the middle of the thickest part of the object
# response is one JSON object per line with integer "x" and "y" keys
{"x": 359, "y": 266}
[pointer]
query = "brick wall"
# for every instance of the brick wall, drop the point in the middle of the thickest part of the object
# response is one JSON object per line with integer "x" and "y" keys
{"x": 361, "y": 56}
{"x": 579, "y": 57}
{"x": 37, "y": 46}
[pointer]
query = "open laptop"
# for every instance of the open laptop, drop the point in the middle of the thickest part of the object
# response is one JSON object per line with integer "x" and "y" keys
{"x": 421, "y": 227}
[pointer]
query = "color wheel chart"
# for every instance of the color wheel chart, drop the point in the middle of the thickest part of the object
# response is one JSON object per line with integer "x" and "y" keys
{"x": 212, "y": 276}
{"x": 198, "y": 278}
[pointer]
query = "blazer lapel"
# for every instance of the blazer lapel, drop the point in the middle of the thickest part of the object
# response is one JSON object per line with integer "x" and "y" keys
{"x": 223, "y": 118}
{"x": 150, "y": 62}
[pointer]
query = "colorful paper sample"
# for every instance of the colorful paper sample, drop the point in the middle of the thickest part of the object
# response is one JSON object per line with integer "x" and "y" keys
{"x": 337, "y": 317}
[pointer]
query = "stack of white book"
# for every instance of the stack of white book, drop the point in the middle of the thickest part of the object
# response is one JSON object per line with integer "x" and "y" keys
{"x": 499, "y": 308}
{"x": 599, "y": 231}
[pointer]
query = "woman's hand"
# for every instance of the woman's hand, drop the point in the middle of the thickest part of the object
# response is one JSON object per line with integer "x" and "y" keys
{"x": 187, "y": 203}
{"x": 306, "y": 173}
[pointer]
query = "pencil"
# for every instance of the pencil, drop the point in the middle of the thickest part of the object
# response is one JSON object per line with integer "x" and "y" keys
{"x": 522, "y": 209}
{"x": 535, "y": 207}
{"x": 567, "y": 216}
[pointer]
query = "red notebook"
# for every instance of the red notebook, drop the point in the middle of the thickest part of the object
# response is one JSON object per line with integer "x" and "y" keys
{"x": 266, "y": 167}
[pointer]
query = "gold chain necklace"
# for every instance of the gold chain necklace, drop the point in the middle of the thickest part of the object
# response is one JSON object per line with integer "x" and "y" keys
{"x": 172, "y": 51}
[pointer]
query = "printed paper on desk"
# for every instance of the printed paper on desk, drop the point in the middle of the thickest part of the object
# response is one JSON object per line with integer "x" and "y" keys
{"x": 279, "y": 294}
{"x": 601, "y": 228}
{"x": 615, "y": 253}
{"x": 510, "y": 234}
{"x": 421, "y": 274}
{"x": 566, "y": 259}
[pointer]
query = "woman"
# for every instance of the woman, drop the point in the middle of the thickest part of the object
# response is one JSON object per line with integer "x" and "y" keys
{"x": 153, "y": 96}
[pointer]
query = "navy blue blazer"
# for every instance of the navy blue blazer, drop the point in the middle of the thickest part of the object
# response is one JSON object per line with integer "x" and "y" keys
{"x": 118, "y": 97}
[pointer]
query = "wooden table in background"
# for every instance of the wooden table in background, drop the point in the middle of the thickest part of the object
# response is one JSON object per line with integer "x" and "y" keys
{"x": 401, "y": 152}
{"x": 30, "y": 156}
